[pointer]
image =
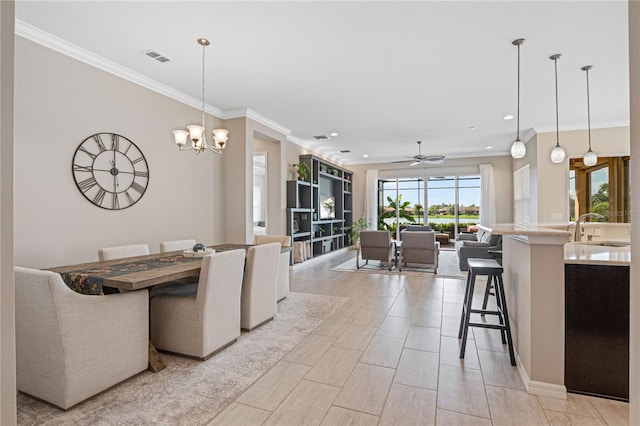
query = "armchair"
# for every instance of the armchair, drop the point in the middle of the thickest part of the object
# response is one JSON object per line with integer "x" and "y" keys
{"x": 71, "y": 346}
{"x": 376, "y": 245}
{"x": 419, "y": 247}
{"x": 476, "y": 245}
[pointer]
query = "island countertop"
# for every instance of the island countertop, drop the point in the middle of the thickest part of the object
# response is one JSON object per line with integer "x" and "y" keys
{"x": 590, "y": 253}
{"x": 585, "y": 253}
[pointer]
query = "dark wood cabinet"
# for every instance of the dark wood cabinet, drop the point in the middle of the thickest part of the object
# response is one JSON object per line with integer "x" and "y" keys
{"x": 597, "y": 330}
{"x": 319, "y": 209}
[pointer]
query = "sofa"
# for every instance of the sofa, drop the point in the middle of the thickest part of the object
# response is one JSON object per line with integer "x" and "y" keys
{"x": 476, "y": 245}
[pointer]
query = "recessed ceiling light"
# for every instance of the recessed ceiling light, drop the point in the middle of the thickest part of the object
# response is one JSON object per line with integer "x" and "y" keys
{"x": 365, "y": 155}
{"x": 509, "y": 117}
{"x": 333, "y": 134}
{"x": 472, "y": 128}
{"x": 489, "y": 147}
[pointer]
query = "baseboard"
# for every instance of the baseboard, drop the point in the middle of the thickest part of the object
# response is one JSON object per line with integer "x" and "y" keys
{"x": 548, "y": 390}
{"x": 319, "y": 258}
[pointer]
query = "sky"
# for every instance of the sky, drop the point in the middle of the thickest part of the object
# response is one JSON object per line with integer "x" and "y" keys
{"x": 440, "y": 192}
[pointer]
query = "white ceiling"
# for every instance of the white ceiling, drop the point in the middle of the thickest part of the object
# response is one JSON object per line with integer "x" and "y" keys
{"x": 382, "y": 74}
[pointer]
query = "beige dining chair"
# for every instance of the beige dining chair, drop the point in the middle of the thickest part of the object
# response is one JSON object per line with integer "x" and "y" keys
{"x": 71, "y": 346}
{"x": 174, "y": 245}
{"x": 201, "y": 319}
{"x": 119, "y": 252}
{"x": 259, "y": 286}
{"x": 283, "y": 265}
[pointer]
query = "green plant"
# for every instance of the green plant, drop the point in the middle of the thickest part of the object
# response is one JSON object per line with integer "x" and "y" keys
{"x": 390, "y": 213}
{"x": 303, "y": 170}
{"x": 361, "y": 224}
{"x": 319, "y": 230}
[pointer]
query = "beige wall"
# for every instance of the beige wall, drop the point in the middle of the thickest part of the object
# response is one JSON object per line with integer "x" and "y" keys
{"x": 553, "y": 179}
{"x": 56, "y": 107}
{"x": 7, "y": 298}
{"x": 502, "y": 173}
{"x": 275, "y": 205}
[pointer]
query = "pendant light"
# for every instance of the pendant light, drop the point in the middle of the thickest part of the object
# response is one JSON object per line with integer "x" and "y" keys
{"x": 558, "y": 154}
{"x": 590, "y": 158}
{"x": 518, "y": 148}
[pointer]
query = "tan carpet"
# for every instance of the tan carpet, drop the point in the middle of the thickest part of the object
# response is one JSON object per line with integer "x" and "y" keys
{"x": 448, "y": 266}
{"x": 190, "y": 392}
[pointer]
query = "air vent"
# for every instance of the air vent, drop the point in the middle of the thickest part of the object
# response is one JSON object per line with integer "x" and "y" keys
{"x": 158, "y": 57}
{"x": 321, "y": 137}
{"x": 345, "y": 151}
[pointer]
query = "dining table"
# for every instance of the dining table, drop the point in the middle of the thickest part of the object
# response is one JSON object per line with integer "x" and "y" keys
{"x": 137, "y": 273}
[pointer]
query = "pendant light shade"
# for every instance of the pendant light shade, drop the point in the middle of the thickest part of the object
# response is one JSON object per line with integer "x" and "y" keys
{"x": 590, "y": 158}
{"x": 518, "y": 148}
{"x": 558, "y": 154}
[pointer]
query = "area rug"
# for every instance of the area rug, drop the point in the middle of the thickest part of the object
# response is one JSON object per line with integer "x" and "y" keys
{"x": 190, "y": 392}
{"x": 448, "y": 266}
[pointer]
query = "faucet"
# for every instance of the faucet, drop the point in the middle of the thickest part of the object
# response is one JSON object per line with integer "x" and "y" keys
{"x": 577, "y": 237}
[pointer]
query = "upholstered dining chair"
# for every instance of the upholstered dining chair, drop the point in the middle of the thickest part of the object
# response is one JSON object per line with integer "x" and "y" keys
{"x": 419, "y": 247}
{"x": 166, "y": 246}
{"x": 285, "y": 260}
{"x": 119, "y": 252}
{"x": 259, "y": 286}
{"x": 71, "y": 346}
{"x": 376, "y": 245}
{"x": 200, "y": 322}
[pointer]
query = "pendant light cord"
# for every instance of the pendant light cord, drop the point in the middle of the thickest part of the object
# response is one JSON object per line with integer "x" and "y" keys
{"x": 518, "y": 108}
{"x": 555, "y": 61}
{"x": 588, "y": 107}
{"x": 203, "y": 50}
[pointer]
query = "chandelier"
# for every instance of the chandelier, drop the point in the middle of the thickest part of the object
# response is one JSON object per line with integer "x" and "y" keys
{"x": 197, "y": 133}
{"x": 590, "y": 158}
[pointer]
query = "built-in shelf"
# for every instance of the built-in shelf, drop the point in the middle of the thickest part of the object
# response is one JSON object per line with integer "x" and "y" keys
{"x": 305, "y": 203}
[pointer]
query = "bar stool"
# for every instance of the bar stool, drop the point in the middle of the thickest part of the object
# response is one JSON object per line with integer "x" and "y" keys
{"x": 492, "y": 269}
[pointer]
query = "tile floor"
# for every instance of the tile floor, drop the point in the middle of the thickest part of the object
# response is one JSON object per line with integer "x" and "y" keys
{"x": 389, "y": 356}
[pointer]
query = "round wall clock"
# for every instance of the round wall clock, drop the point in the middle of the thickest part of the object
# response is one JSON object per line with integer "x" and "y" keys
{"x": 110, "y": 171}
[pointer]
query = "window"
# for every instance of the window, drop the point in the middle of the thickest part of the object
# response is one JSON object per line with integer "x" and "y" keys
{"x": 451, "y": 203}
{"x": 603, "y": 189}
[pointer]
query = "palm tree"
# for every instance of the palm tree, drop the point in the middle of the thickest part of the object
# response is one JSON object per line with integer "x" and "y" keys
{"x": 390, "y": 213}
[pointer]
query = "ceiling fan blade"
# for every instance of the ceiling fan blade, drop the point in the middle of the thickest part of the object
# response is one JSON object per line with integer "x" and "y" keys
{"x": 415, "y": 163}
{"x": 402, "y": 161}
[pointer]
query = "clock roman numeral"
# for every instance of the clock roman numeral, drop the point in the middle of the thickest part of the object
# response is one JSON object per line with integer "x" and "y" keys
{"x": 79, "y": 168}
{"x": 129, "y": 198}
{"x": 141, "y": 174}
{"x": 99, "y": 196}
{"x": 87, "y": 184}
{"x": 136, "y": 186}
{"x": 98, "y": 140}
{"x": 115, "y": 142}
{"x": 90, "y": 154}
{"x": 116, "y": 203}
{"x": 137, "y": 160}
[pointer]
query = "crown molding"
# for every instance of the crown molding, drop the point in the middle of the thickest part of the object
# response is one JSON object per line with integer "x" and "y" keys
{"x": 570, "y": 128}
{"x": 59, "y": 45}
{"x": 255, "y": 116}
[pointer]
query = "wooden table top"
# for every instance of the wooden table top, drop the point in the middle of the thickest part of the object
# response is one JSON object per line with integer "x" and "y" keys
{"x": 186, "y": 267}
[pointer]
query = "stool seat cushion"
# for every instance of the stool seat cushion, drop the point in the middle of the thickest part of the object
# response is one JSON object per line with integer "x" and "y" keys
{"x": 484, "y": 266}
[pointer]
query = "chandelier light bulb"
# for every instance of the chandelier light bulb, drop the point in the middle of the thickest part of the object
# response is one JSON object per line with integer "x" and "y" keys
{"x": 181, "y": 137}
{"x": 518, "y": 148}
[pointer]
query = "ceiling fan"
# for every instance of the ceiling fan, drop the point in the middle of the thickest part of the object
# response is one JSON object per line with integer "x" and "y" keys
{"x": 423, "y": 159}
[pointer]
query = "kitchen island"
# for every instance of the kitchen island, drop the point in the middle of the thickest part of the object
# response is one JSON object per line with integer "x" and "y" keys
{"x": 597, "y": 319}
{"x": 534, "y": 259}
